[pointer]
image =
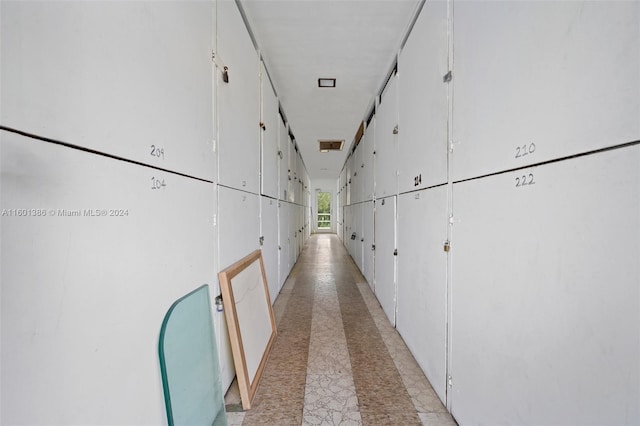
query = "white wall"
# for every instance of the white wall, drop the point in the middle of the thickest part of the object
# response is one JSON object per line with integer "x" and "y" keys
{"x": 517, "y": 293}
{"x": 83, "y": 298}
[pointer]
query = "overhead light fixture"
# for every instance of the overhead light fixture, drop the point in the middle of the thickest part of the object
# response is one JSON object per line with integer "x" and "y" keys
{"x": 327, "y": 82}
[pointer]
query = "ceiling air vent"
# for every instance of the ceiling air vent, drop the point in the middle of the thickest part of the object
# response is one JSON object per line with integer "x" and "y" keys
{"x": 330, "y": 145}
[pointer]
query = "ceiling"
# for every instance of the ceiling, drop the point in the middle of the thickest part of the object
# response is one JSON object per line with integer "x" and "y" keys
{"x": 353, "y": 41}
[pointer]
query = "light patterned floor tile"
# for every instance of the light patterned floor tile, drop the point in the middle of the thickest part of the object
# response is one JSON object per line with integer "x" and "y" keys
{"x": 437, "y": 419}
{"x": 235, "y": 419}
{"x": 424, "y": 398}
{"x": 329, "y": 396}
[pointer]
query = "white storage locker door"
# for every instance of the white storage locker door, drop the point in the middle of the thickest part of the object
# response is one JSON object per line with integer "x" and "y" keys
{"x": 299, "y": 182}
{"x": 386, "y": 158}
{"x": 269, "y": 224}
{"x": 109, "y": 76}
{"x": 385, "y": 259}
{"x": 283, "y": 160}
{"x": 238, "y": 236}
{"x": 368, "y": 161}
{"x": 293, "y": 232}
{"x": 283, "y": 242}
{"x": 291, "y": 196}
{"x": 422, "y": 280}
{"x": 92, "y": 258}
{"x": 351, "y": 196}
{"x": 357, "y": 175}
{"x": 422, "y": 101}
{"x": 297, "y": 230}
{"x": 545, "y": 294}
{"x": 535, "y": 81}
{"x": 347, "y": 228}
{"x": 367, "y": 247}
{"x": 269, "y": 151}
{"x": 352, "y": 232}
{"x": 359, "y": 241}
{"x": 238, "y": 102}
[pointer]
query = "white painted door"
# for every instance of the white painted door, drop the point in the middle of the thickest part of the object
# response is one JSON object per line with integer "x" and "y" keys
{"x": 238, "y": 236}
{"x": 368, "y": 162}
{"x": 386, "y": 158}
{"x": 269, "y": 225}
{"x": 283, "y": 160}
{"x": 385, "y": 259}
{"x": 536, "y": 81}
{"x": 422, "y": 101}
{"x": 269, "y": 150}
{"x": 545, "y": 297}
{"x": 92, "y": 258}
{"x": 283, "y": 242}
{"x": 238, "y": 103}
{"x": 368, "y": 244}
{"x": 422, "y": 280}
{"x": 109, "y": 76}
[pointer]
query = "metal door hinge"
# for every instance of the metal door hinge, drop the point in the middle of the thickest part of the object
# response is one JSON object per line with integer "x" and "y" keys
{"x": 215, "y": 220}
{"x": 450, "y": 382}
{"x": 447, "y": 77}
{"x": 447, "y": 246}
{"x": 373, "y": 247}
{"x": 395, "y": 252}
{"x": 395, "y": 130}
{"x": 261, "y": 241}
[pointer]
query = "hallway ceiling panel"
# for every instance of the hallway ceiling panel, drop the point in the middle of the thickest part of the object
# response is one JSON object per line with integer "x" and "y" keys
{"x": 353, "y": 41}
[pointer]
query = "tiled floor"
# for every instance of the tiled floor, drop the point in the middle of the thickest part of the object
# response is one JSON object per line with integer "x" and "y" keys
{"x": 337, "y": 360}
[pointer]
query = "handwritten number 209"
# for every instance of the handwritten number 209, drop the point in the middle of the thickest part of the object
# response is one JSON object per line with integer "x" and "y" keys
{"x": 525, "y": 180}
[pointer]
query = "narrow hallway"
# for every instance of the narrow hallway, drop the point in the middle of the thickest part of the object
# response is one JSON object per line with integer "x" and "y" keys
{"x": 337, "y": 360}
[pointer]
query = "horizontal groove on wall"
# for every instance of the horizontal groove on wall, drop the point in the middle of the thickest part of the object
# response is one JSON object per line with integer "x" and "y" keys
{"x": 96, "y": 152}
{"x": 555, "y": 160}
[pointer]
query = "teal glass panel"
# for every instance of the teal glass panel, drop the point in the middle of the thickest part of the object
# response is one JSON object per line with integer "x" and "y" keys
{"x": 189, "y": 363}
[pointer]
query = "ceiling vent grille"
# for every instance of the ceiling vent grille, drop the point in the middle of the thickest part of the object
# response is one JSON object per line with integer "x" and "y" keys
{"x": 330, "y": 145}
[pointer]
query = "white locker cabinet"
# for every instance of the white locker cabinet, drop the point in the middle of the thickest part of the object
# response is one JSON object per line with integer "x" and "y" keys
{"x": 359, "y": 241}
{"x": 269, "y": 225}
{"x": 269, "y": 150}
{"x": 238, "y": 235}
{"x": 536, "y": 81}
{"x": 238, "y": 224}
{"x": 385, "y": 259}
{"x": 422, "y": 280}
{"x": 546, "y": 294}
{"x": 283, "y": 160}
{"x": 368, "y": 161}
{"x": 357, "y": 174}
{"x": 291, "y": 172}
{"x": 238, "y": 103}
{"x": 386, "y": 158}
{"x": 292, "y": 234}
{"x": 283, "y": 242}
{"x": 109, "y": 76}
{"x": 299, "y": 182}
{"x": 348, "y": 233}
{"x": 422, "y": 101}
{"x": 368, "y": 244}
{"x": 92, "y": 258}
{"x": 351, "y": 197}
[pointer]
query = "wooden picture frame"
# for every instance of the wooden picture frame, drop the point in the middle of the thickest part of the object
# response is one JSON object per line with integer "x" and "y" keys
{"x": 250, "y": 320}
